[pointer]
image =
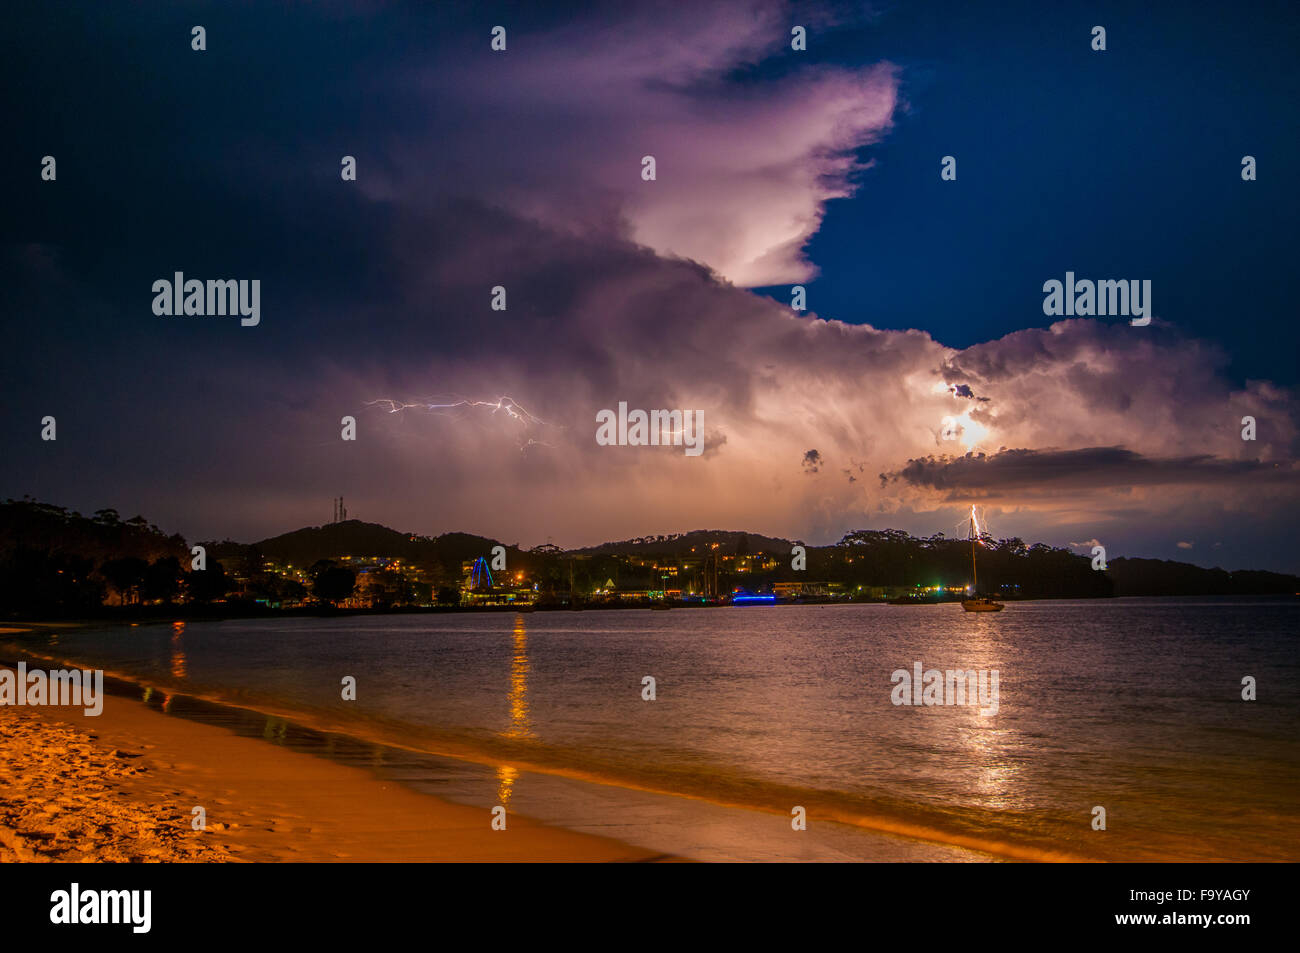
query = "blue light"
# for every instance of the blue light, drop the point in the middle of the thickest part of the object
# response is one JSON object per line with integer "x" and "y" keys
{"x": 479, "y": 571}
{"x": 747, "y": 600}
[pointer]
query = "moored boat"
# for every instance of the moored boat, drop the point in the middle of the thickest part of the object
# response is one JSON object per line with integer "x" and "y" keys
{"x": 978, "y": 603}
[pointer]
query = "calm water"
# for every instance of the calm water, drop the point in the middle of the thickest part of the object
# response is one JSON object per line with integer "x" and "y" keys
{"x": 1133, "y": 705}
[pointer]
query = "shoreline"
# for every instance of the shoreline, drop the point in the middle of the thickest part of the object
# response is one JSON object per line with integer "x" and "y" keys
{"x": 884, "y": 841}
{"x": 159, "y": 614}
{"x": 122, "y": 786}
{"x": 887, "y": 832}
{"x": 895, "y": 838}
{"x": 888, "y": 836}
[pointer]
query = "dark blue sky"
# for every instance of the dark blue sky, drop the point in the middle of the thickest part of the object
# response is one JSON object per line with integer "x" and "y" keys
{"x": 1117, "y": 164}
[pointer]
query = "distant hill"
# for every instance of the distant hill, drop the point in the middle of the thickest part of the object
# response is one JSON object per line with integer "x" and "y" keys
{"x": 303, "y": 547}
{"x": 1162, "y": 577}
{"x": 49, "y": 548}
{"x": 730, "y": 543}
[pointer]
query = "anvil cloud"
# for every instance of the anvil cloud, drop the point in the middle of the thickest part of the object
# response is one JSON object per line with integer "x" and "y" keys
{"x": 556, "y": 129}
{"x": 522, "y": 170}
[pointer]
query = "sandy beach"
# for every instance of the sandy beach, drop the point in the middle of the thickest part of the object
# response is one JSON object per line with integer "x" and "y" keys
{"x": 121, "y": 787}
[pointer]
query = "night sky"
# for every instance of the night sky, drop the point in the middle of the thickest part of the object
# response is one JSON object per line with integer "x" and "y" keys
{"x": 522, "y": 169}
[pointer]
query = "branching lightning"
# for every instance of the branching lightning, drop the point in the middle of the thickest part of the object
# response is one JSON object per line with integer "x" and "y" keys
{"x": 460, "y": 408}
{"x": 977, "y": 531}
{"x": 508, "y": 405}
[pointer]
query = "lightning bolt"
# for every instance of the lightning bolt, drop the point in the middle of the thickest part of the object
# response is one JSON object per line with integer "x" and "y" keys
{"x": 973, "y": 521}
{"x": 458, "y": 408}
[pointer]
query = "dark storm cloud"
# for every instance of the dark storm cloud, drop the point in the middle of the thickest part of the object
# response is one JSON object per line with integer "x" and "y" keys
{"x": 1087, "y": 468}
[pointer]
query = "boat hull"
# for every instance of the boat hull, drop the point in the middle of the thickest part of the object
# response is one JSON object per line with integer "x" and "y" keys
{"x": 982, "y": 605}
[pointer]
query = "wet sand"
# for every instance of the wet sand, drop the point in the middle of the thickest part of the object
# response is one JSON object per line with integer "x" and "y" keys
{"x": 122, "y": 787}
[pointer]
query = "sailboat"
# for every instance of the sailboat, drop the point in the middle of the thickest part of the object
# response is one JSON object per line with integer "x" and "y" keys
{"x": 978, "y": 603}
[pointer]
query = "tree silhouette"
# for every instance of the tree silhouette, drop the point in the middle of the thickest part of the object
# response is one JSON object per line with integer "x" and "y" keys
{"x": 162, "y": 580}
{"x": 333, "y": 583}
{"x": 126, "y": 575}
{"x": 205, "y": 585}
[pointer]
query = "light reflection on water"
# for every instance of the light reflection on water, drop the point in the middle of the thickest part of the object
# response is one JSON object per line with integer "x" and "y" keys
{"x": 1130, "y": 704}
{"x": 178, "y": 667}
{"x": 520, "y": 727}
